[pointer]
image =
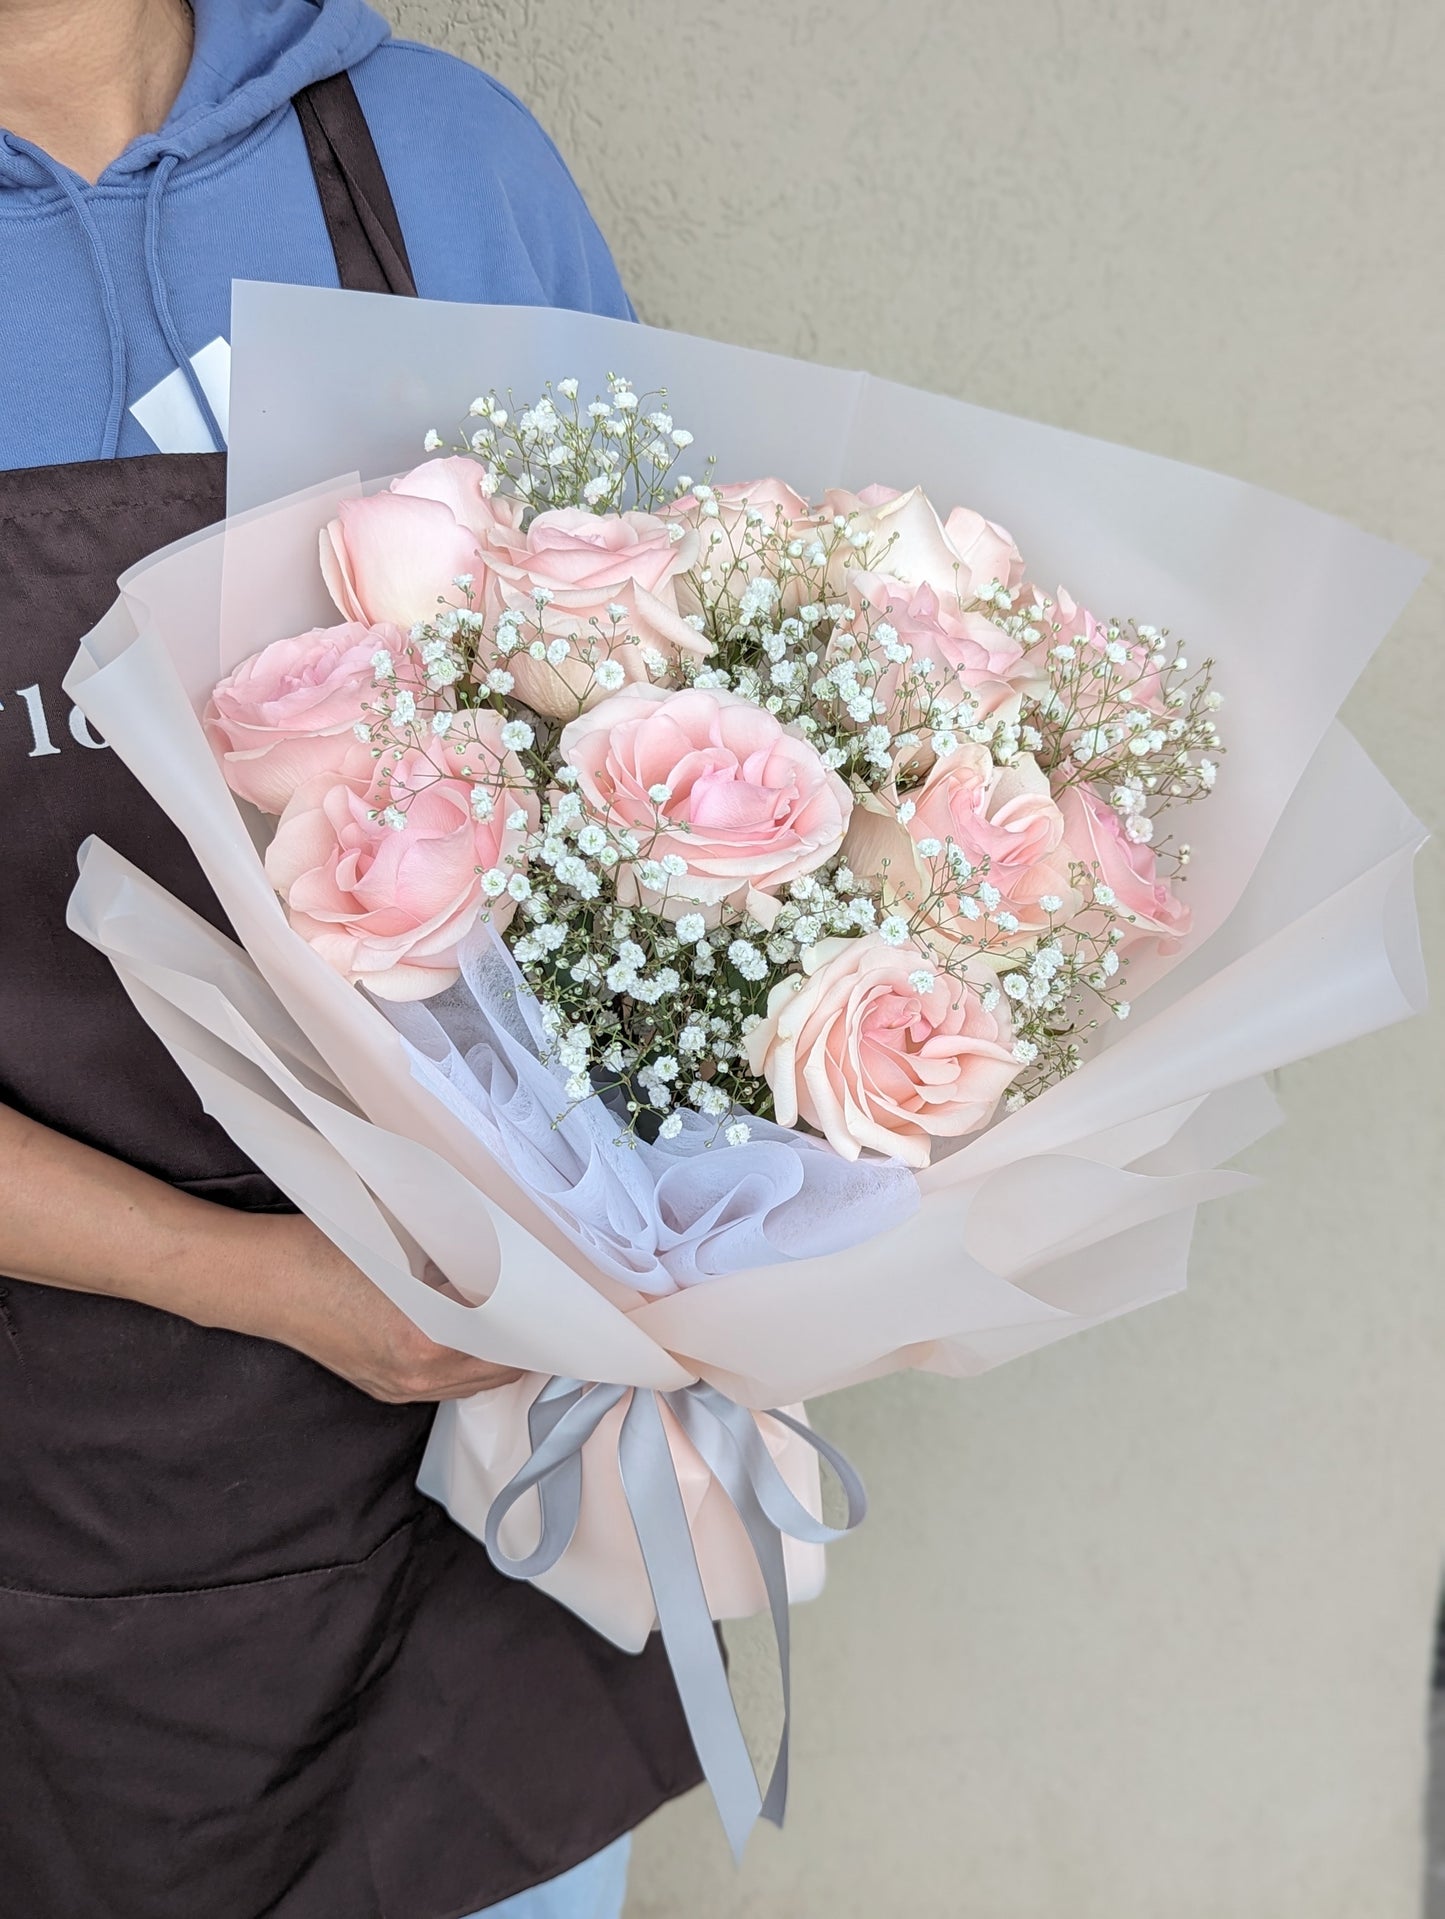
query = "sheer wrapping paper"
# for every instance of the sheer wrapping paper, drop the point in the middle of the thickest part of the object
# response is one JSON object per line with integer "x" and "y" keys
{"x": 656, "y": 1214}
{"x": 1063, "y": 1215}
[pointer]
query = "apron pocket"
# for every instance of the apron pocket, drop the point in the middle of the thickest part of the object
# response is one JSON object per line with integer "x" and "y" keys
{"x": 176, "y": 1754}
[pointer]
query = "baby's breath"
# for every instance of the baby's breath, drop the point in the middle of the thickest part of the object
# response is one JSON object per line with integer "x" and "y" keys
{"x": 648, "y": 993}
{"x": 621, "y": 451}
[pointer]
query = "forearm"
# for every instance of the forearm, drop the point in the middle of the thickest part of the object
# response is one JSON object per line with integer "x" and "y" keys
{"x": 75, "y": 1218}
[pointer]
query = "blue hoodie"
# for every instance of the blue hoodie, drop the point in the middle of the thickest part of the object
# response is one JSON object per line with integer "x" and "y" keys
{"x": 108, "y": 288}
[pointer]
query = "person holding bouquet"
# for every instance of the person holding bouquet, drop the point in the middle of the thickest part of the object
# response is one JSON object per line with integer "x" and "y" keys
{"x": 244, "y": 1666}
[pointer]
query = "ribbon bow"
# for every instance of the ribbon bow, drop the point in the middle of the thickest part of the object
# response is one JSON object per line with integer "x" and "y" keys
{"x": 563, "y": 1417}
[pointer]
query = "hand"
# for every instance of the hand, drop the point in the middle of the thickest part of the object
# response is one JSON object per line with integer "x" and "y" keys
{"x": 314, "y": 1300}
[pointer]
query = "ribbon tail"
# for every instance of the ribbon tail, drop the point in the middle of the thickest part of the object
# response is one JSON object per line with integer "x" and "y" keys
{"x": 731, "y": 1456}
{"x": 685, "y": 1620}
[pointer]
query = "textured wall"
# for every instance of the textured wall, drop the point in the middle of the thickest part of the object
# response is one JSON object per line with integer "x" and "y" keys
{"x": 1139, "y": 1627}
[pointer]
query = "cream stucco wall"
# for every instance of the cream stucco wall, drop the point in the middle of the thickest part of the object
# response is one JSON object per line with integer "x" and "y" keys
{"x": 1139, "y": 1627}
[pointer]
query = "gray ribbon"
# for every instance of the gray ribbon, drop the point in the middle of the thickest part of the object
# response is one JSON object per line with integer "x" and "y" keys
{"x": 563, "y": 1417}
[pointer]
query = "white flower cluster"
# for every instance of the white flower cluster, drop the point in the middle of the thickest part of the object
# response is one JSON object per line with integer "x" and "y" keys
{"x": 558, "y": 452}
{"x": 651, "y": 1006}
{"x": 1126, "y": 709}
{"x": 1063, "y": 970}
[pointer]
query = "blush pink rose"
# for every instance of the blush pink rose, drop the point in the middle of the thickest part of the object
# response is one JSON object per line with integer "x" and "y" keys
{"x": 906, "y": 540}
{"x": 623, "y": 634}
{"x": 971, "y": 657}
{"x": 749, "y": 806}
{"x": 569, "y": 550}
{"x": 879, "y": 1049}
{"x": 987, "y": 550}
{"x": 287, "y": 714}
{"x": 838, "y": 499}
{"x": 1004, "y": 815}
{"x": 589, "y": 563}
{"x": 388, "y": 907}
{"x": 396, "y": 555}
{"x": 1153, "y": 914}
{"x": 740, "y": 540}
{"x": 1066, "y": 623}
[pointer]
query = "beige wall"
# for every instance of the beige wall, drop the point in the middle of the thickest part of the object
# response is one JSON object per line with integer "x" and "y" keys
{"x": 1139, "y": 1627}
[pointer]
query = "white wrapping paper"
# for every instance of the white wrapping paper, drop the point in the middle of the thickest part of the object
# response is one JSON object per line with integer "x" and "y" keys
{"x": 1063, "y": 1215}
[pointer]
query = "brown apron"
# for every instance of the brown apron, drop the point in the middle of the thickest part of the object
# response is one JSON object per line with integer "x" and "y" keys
{"x": 245, "y": 1668}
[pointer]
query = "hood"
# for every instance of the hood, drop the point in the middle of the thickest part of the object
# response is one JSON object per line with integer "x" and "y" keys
{"x": 249, "y": 58}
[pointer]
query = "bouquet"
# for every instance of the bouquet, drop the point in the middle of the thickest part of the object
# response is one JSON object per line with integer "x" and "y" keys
{"x": 698, "y": 915}
{"x": 786, "y": 816}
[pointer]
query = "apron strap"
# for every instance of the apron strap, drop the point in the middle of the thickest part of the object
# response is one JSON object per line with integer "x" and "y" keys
{"x": 360, "y": 216}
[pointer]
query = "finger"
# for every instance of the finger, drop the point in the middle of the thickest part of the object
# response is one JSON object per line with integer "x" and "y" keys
{"x": 438, "y": 1281}
{"x": 436, "y": 1384}
{"x": 469, "y": 1388}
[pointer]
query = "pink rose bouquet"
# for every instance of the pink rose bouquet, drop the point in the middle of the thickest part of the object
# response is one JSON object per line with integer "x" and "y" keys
{"x": 814, "y": 814}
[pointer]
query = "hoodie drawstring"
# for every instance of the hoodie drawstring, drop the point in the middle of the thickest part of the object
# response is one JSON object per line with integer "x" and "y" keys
{"x": 109, "y": 298}
{"x": 162, "y": 305}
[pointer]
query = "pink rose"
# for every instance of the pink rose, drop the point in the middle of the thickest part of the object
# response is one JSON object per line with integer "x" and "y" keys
{"x": 1153, "y": 914}
{"x": 971, "y": 658}
{"x": 569, "y": 550}
{"x": 396, "y": 555}
{"x": 387, "y": 905}
{"x": 839, "y": 500}
{"x": 588, "y": 564}
{"x": 1004, "y": 815}
{"x": 741, "y": 539}
{"x": 748, "y": 806}
{"x": 906, "y": 540}
{"x": 987, "y": 551}
{"x": 626, "y": 635}
{"x": 1066, "y": 623}
{"x": 287, "y": 714}
{"x": 878, "y": 1048}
